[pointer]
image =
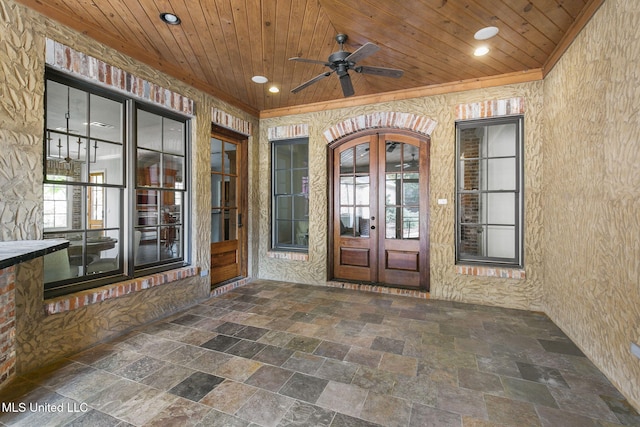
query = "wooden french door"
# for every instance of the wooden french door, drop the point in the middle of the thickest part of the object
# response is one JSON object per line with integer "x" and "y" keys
{"x": 380, "y": 210}
{"x": 228, "y": 208}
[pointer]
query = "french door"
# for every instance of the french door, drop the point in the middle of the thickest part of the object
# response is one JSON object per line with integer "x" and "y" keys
{"x": 228, "y": 208}
{"x": 380, "y": 211}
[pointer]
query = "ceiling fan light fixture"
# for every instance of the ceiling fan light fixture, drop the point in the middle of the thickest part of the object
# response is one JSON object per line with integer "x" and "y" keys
{"x": 259, "y": 79}
{"x": 481, "y": 51}
{"x": 170, "y": 18}
{"x": 486, "y": 33}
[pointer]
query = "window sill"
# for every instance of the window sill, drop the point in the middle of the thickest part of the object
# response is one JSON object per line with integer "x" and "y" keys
{"x": 291, "y": 256}
{"x": 501, "y": 272}
{"x": 115, "y": 290}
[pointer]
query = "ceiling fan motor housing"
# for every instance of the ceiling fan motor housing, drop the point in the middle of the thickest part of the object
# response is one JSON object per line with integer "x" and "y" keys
{"x": 338, "y": 63}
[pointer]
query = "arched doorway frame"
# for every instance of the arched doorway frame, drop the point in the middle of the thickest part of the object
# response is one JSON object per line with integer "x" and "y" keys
{"x": 412, "y": 125}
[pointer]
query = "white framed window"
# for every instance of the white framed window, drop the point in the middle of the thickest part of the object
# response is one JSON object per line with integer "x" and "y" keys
{"x": 56, "y": 205}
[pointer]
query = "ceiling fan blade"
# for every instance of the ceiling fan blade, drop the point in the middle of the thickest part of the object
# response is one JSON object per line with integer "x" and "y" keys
{"x": 380, "y": 71}
{"x": 347, "y": 86}
{"x": 310, "y": 82}
{"x": 362, "y": 52}
{"x": 310, "y": 61}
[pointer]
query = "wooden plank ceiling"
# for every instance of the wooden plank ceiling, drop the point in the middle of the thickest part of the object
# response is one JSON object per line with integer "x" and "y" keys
{"x": 221, "y": 44}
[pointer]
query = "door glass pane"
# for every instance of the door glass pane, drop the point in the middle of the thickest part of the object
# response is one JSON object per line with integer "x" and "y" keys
{"x": 347, "y": 221}
{"x": 391, "y": 218}
{"x": 347, "y": 161}
{"x": 231, "y": 191}
{"x": 362, "y": 190}
{"x": 411, "y": 189}
{"x": 411, "y": 223}
{"x": 402, "y": 191}
{"x": 393, "y": 156}
{"x": 410, "y": 158}
{"x": 347, "y": 190}
{"x": 363, "y": 221}
{"x": 231, "y": 224}
{"x": 216, "y": 191}
{"x": 230, "y": 160}
{"x": 391, "y": 187}
{"x": 362, "y": 158}
{"x": 216, "y": 155}
{"x": 217, "y": 226}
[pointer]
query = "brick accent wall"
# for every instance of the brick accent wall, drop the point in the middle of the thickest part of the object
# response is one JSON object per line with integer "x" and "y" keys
{"x": 7, "y": 324}
{"x": 93, "y": 296}
{"x": 383, "y": 119}
{"x": 87, "y": 67}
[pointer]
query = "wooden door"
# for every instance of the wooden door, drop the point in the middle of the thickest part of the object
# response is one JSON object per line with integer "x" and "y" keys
{"x": 380, "y": 211}
{"x": 228, "y": 208}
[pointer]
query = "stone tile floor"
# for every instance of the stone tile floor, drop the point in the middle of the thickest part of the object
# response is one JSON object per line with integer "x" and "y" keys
{"x": 279, "y": 354}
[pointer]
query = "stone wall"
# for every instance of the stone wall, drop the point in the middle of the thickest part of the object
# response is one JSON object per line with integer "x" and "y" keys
{"x": 592, "y": 193}
{"x": 43, "y": 337}
{"x": 517, "y": 290}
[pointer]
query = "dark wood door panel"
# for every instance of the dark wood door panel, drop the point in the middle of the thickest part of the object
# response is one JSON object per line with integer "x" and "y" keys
{"x": 355, "y": 257}
{"x": 400, "y": 260}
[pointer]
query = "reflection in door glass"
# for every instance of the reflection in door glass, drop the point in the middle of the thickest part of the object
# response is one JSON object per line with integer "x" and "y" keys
{"x": 354, "y": 191}
{"x": 402, "y": 191}
{"x": 224, "y": 194}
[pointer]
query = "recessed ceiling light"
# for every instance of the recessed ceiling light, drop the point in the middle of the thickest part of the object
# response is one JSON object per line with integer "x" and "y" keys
{"x": 170, "y": 18}
{"x": 486, "y": 33}
{"x": 481, "y": 51}
{"x": 274, "y": 89}
{"x": 259, "y": 79}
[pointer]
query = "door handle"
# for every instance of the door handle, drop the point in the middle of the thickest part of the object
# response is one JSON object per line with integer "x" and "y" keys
{"x": 373, "y": 218}
{"x": 373, "y": 227}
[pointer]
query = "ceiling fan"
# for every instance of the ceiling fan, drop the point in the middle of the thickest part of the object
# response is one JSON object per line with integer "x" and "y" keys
{"x": 341, "y": 62}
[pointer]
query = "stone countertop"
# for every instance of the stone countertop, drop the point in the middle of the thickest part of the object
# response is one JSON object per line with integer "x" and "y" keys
{"x": 17, "y": 251}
